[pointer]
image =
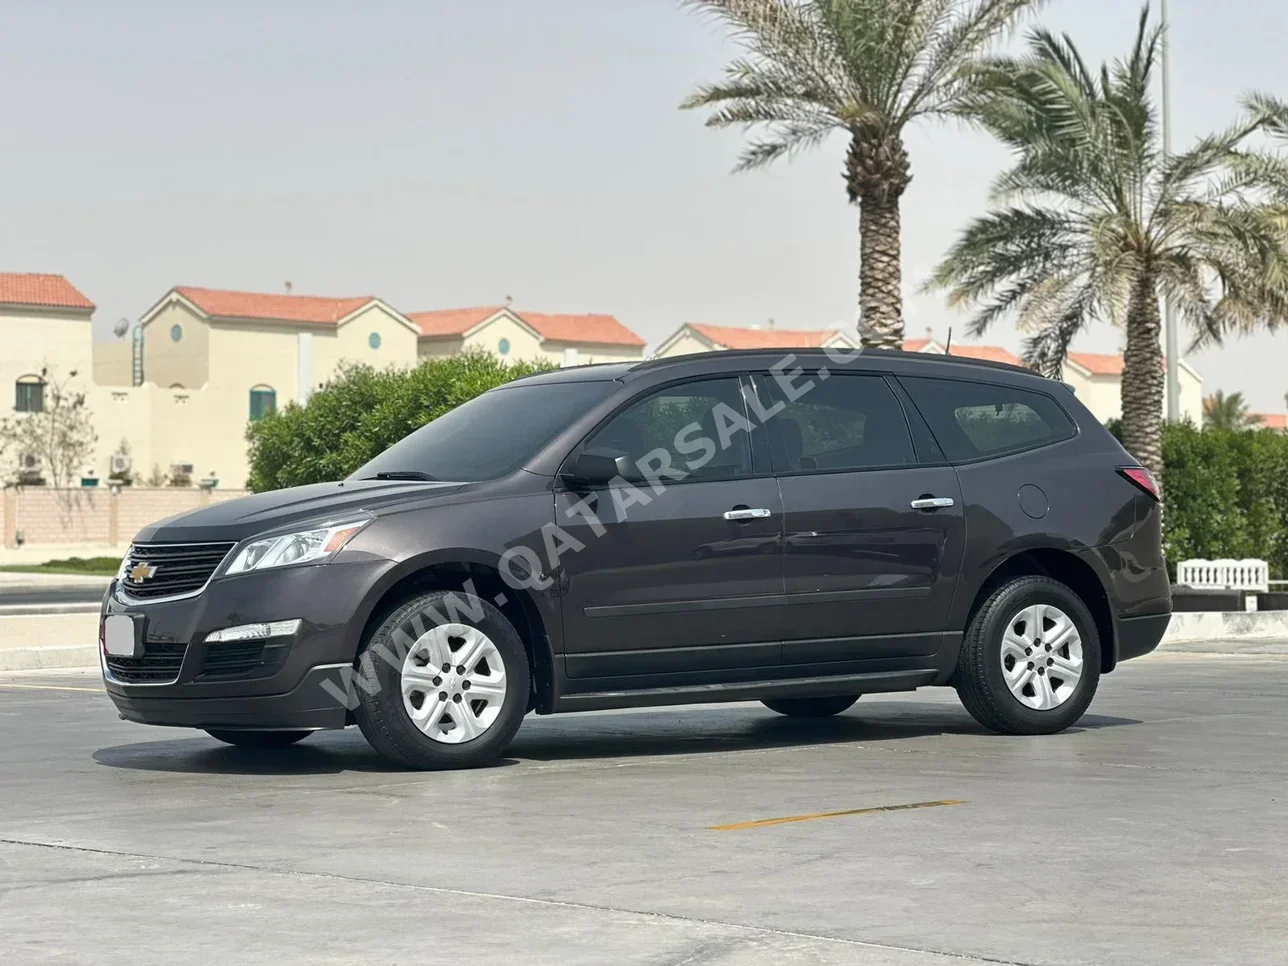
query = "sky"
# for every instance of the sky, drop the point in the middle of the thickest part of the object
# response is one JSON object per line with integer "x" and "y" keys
{"x": 441, "y": 153}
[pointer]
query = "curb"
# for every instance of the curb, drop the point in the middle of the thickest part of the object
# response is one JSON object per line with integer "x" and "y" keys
{"x": 1227, "y": 626}
{"x": 38, "y": 658}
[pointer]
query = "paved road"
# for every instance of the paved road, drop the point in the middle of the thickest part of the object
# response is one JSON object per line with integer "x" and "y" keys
{"x": 1155, "y": 833}
{"x": 29, "y": 595}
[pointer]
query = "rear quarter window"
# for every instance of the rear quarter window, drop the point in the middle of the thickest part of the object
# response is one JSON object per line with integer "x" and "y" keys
{"x": 973, "y": 420}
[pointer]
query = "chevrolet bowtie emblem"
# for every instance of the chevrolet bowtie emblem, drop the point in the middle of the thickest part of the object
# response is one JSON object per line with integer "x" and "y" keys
{"x": 141, "y": 572}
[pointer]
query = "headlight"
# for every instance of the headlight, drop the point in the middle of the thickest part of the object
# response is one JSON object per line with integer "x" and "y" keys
{"x": 303, "y": 546}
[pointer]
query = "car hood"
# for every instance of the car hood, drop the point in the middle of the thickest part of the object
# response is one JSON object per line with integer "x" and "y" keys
{"x": 233, "y": 520}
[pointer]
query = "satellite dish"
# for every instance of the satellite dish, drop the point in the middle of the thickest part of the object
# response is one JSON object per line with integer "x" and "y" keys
{"x": 122, "y": 326}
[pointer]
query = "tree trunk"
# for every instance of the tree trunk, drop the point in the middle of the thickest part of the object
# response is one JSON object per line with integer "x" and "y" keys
{"x": 876, "y": 175}
{"x": 1143, "y": 378}
{"x": 880, "y": 275}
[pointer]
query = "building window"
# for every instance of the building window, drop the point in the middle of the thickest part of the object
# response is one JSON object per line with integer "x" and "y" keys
{"x": 29, "y": 394}
{"x": 373, "y": 340}
{"x": 503, "y": 347}
{"x": 263, "y": 402}
{"x": 176, "y": 332}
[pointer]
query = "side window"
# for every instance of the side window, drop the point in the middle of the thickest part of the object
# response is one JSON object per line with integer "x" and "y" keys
{"x": 701, "y": 426}
{"x": 849, "y": 422}
{"x": 974, "y": 420}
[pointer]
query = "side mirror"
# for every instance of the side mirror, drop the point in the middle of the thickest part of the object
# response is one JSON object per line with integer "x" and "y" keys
{"x": 598, "y": 466}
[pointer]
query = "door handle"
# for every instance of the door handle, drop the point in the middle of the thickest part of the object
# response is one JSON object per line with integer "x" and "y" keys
{"x": 932, "y": 503}
{"x": 743, "y": 513}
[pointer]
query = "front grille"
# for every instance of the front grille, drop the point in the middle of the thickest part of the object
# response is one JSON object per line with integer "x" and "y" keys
{"x": 238, "y": 658}
{"x": 177, "y": 568}
{"x": 159, "y": 664}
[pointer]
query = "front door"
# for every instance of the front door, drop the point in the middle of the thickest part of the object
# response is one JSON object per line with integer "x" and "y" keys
{"x": 682, "y": 584}
{"x": 873, "y": 535}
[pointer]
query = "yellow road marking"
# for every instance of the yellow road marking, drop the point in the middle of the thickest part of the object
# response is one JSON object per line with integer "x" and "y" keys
{"x": 738, "y": 826}
{"x": 50, "y": 687}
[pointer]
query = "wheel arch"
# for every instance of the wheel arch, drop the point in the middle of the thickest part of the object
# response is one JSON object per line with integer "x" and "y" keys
{"x": 1071, "y": 570}
{"x": 455, "y": 572}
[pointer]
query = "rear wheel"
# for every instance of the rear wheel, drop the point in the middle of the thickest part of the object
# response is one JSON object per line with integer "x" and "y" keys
{"x": 452, "y": 682}
{"x": 810, "y": 707}
{"x": 1030, "y": 659}
{"x": 258, "y": 739}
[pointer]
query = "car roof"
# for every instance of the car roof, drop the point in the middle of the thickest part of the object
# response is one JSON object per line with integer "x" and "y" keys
{"x": 597, "y": 372}
{"x": 773, "y": 356}
{"x": 725, "y": 360}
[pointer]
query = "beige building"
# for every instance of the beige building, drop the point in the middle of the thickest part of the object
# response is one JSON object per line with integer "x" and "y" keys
{"x": 44, "y": 322}
{"x": 207, "y": 361}
{"x": 564, "y": 340}
{"x": 45, "y": 330}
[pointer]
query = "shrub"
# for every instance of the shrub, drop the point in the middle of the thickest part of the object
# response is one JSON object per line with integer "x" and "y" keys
{"x": 363, "y": 412}
{"x": 1227, "y": 495}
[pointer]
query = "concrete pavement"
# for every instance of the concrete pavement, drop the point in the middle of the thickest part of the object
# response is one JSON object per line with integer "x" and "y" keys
{"x": 1151, "y": 834}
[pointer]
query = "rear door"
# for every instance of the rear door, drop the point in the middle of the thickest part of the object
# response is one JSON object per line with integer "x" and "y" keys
{"x": 689, "y": 581}
{"x": 872, "y": 523}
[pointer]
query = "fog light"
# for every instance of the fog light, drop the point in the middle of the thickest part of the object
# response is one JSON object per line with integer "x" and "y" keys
{"x": 253, "y": 632}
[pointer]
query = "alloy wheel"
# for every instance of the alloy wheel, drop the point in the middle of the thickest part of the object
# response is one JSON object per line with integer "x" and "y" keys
{"x": 453, "y": 683}
{"x": 1041, "y": 656}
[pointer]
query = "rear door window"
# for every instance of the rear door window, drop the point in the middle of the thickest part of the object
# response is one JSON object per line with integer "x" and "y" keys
{"x": 850, "y": 422}
{"x": 973, "y": 420}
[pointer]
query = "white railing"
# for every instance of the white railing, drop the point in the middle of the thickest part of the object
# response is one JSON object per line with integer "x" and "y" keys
{"x": 1224, "y": 575}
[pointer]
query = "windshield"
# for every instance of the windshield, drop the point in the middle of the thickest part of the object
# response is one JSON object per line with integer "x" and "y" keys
{"x": 489, "y": 436}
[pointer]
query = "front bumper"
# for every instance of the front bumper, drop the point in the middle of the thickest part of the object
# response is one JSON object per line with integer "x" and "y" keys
{"x": 283, "y": 687}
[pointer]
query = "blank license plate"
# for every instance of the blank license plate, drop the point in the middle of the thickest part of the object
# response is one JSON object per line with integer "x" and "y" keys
{"x": 119, "y": 637}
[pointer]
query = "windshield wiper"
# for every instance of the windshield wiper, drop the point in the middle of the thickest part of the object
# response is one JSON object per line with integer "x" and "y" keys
{"x": 403, "y": 475}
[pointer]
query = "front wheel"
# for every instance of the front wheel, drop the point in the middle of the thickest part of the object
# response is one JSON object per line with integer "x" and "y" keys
{"x": 810, "y": 707}
{"x": 258, "y": 739}
{"x": 451, "y": 682}
{"x": 1030, "y": 659}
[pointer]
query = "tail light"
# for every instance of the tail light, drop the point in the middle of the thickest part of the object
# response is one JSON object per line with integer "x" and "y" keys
{"x": 1142, "y": 477}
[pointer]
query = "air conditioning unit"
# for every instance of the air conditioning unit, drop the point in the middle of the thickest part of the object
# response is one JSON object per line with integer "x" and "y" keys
{"x": 120, "y": 464}
{"x": 181, "y": 469}
{"x": 30, "y": 463}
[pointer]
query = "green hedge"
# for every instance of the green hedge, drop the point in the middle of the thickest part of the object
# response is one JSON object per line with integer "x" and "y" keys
{"x": 363, "y": 412}
{"x": 1227, "y": 495}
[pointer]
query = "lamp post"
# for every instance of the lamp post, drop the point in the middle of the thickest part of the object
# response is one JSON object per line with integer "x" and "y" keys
{"x": 1170, "y": 335}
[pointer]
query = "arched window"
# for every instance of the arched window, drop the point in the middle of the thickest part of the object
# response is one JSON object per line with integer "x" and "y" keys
{"x": 263, "y": 401}
{"x": 176, "y": 385}
{"x": 29, "y": 394}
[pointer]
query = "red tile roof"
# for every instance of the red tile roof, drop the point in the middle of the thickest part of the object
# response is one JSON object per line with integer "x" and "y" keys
{"x": 48, "y": 291}
{"x": 991, "y": 353}
{"x": 1098, "y": 363}
{"x": 442, "y": 322}
{"x": 596, "y": 329}
{"x": 1277, "y": 421}
{"x": 593, "y": 329}
{"x": 315, "y": 309}
{"x": 737, "y": 337}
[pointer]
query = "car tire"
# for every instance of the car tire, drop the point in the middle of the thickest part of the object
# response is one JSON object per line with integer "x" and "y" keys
{"x": 810, "y": 707}
{"x": 258, "y": 739}
{"x": 451, "y": 728}
{"x": 1019, "y": 634}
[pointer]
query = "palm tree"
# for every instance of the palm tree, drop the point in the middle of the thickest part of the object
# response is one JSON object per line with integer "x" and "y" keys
{"x": 1226, "y": 412}
{"x": 867, "y": 68}
{"x": 1093, "y": 223}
